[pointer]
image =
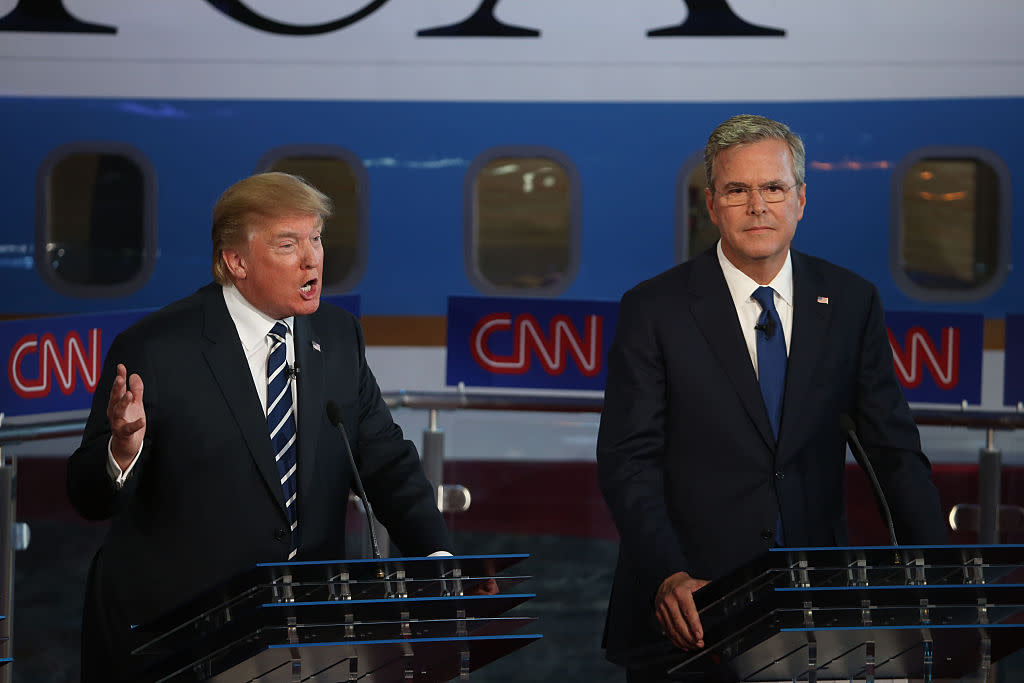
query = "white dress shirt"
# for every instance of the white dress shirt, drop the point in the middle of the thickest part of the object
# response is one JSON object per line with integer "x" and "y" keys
{"x": 741, "y": 287}
{"x": 253, "y": 326}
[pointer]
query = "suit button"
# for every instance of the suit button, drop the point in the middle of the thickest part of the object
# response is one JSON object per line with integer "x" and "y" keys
{"x": 767, "y": 534}
{"x": 279, "y": 535}
{"x": 780, "y": 476}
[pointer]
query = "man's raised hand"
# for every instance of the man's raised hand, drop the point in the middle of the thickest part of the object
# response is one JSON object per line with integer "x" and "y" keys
{"x": 127, "y": 417}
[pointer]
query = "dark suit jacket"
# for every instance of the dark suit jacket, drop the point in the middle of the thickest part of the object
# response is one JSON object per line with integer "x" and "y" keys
{"x": 686, "y": 457}
{"x": 204, "y": 501}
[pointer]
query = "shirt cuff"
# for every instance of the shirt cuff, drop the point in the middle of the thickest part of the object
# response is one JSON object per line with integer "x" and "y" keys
{"x": 440, "y": 553}
{"x": 118, "y": 476}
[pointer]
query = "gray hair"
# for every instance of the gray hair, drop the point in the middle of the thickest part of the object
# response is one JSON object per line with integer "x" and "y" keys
{"x": 746, "y": 128}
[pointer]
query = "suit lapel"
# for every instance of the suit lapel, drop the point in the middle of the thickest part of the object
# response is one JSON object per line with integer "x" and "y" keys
{"x": 226, "y": 359}
{"x": 810, "y": 323}
{"x": 715, "y": 314}
{"x": 309, "y": 359}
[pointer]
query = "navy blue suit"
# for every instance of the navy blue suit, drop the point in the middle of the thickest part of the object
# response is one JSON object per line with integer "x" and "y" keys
{"x": 686, "y": 457}
{"x": 204, "y": 501}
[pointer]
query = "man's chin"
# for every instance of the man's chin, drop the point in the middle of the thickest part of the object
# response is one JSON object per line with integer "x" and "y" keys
{"x": 307, "y": 307}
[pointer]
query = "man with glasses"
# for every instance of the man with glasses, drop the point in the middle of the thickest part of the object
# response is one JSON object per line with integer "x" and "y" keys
{"x": 727, "y": 377}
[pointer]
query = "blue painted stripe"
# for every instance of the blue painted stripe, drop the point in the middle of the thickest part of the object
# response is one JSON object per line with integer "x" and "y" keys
{"x": 931, "y": 586}
{"x": 628, "y": 156}
{"x": 933, "y": 627}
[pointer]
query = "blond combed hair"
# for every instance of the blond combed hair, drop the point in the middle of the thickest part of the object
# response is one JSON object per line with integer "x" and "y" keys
{"x": 254, "y": 200}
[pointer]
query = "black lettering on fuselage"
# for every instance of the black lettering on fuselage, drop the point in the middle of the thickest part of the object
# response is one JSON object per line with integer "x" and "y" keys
{"x": 713, "y": 18}
{"x": 481, "y": 24}
{"x": 48, "y": 16}
{"x": 703, "y": 18}
{"x": 239, "y": 11}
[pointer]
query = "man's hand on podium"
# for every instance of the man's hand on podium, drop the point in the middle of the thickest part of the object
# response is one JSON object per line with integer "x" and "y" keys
{"x": 677, "y": 613}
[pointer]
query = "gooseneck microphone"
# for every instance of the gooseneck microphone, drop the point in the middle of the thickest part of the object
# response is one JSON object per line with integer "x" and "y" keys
{"x": 846, "y": 424}
{"x": 334, "y": 415}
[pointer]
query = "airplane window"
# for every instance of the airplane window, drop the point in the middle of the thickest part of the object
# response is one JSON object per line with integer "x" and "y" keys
{"x": 522, "y": 233}
{"x": 341, "y": 176}
{"x": 696, "y": 232}
{"x": 96, "y": 234}
{"x": 951, "y": 225}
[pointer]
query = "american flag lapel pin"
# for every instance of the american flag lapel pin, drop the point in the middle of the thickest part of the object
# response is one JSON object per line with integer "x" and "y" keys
{"x": 316, "y": 345}
{"x": 822, "y": 299}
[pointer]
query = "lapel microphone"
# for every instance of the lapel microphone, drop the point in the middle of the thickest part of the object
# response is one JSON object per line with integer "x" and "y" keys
{"x": 292, "y": 371}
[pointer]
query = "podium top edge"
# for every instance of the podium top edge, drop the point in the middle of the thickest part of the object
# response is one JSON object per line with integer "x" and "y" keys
{"x": 413, "y": 641}
{"x": 1001, "y": 546}
{"x": 931, "y": 587}
{"x": 389, "y": 560}
{"x": 400, "y": 601}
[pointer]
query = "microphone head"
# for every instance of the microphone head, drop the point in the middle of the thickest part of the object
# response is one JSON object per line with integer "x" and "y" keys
{"x": 767, "y": 327}
{"x": 846, "y": 424}
{"x": 333, "y": 413}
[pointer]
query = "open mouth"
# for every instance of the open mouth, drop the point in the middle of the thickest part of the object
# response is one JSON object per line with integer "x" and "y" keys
{"x": 308, "y": 287}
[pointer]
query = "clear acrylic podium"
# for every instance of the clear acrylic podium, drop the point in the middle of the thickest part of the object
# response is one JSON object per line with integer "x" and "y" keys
{"x": 817, "y": 614}
{"x": 397, "y": 619}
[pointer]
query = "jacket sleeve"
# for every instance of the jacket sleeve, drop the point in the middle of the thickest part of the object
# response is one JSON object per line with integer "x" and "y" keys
{"x": 92, "y": 491}
{"x": 631, "y": 447}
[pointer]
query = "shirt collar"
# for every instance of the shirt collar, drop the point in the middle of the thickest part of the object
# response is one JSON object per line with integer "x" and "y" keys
{"x": 252, "y": 324}
{"x": 741, "y": 286}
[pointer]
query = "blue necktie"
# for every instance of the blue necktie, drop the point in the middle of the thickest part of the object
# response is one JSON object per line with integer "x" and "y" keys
{"x": 771, "y": 368}
{"x": 771, "y": 356}
{"x": 281, "y": 422}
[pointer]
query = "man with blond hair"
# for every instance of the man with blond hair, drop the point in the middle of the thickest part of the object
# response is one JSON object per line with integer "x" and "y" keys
{"x": 727, "y": 379}
{"x": 209, "y": 445}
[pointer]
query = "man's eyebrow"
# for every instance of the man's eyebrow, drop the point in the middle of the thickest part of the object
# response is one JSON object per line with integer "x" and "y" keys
{"x": 777, "y": 181}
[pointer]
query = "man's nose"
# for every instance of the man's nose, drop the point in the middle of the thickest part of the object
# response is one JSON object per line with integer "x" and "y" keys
{"x": 307, "y": 252}
{"x": 755, "y": 202}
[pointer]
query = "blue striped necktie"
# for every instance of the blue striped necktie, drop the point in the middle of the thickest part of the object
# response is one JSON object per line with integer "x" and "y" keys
{"x": 771, "y": 368}
{"x": 281, "y": 422}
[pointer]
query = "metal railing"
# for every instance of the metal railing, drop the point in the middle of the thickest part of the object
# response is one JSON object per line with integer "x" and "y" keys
{"x": 985, "y": 516}
{"x": 436, "y": 401}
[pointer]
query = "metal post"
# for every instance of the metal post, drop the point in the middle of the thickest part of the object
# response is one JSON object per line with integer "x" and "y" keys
{"x": 7, "y": 501}
{"x": 990, "y": 465}
{"x": 433, "y": 456}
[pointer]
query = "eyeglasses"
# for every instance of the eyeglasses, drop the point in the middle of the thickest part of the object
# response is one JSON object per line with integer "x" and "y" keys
{"x": 772, "y": 193}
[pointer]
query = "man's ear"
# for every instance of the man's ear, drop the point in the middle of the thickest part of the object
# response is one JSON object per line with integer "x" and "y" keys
{"x": 235, "y": 262}
{"x": 709, "y": 202}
